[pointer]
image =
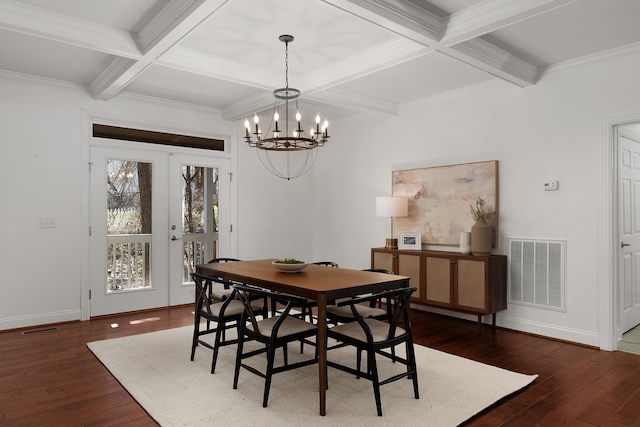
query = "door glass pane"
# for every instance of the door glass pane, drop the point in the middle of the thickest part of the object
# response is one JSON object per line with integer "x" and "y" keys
{"x": 129, "y": 208}
{"x": 199, "y": 217}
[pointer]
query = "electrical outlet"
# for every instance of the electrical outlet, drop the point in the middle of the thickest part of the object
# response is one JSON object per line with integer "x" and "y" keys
{"x": 46, "y": 223}
{"x": 551, "y": 186}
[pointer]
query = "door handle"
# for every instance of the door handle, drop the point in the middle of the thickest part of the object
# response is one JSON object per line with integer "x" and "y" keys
{"x": 174, "y": 238}
{"x": 623, "y": 244}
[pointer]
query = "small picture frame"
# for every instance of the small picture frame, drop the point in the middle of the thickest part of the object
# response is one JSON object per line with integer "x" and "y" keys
{"x": 409, "y": 241}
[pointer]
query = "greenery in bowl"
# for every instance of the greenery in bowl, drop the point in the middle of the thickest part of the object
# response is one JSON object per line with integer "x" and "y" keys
{"x": 479, "y": 213}
{"x": 289, "y": 261}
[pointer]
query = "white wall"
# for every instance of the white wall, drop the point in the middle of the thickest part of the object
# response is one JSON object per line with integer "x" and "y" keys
{"x": 42, "y": 173}
{"x": 551, "y": 131}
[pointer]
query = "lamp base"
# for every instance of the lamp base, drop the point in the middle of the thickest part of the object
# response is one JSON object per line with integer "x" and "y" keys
{"x": 392, "y": 244}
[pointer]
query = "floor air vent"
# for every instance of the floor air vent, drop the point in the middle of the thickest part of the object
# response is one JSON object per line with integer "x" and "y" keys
{"x": 537, "y": 273}
{"x": 39, "y": 331}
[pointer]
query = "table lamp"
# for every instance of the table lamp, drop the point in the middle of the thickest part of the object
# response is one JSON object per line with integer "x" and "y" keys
{"x": 391, "y": 207}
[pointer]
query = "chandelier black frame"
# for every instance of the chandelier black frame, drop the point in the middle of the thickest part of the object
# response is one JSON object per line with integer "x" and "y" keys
{"x": 287, "y": 140}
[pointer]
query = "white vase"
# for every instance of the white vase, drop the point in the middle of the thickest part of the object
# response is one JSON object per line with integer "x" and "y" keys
{"x": 465, "y": 242}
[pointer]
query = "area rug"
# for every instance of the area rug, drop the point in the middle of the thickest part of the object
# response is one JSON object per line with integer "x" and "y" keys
{"x": 156, "y": 370}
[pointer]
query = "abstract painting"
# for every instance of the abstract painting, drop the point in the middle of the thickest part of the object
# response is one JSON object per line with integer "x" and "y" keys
{"x": 439, "y": 200}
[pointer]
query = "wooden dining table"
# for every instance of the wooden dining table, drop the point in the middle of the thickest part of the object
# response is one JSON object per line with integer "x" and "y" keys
{"x": 316, "y": 282}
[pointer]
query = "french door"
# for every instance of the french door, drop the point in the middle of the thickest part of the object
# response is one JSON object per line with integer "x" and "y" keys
{"x": 154, "y": 216}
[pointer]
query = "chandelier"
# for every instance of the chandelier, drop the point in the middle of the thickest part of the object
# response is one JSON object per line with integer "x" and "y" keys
{"x": 286, "y": 139}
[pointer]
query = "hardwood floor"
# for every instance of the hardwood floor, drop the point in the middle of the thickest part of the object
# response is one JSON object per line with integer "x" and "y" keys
{"x": 50, "y": 378}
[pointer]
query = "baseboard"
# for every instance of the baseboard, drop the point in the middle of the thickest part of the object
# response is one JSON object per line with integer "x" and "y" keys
{"x": 39, "y": 319}
{"x": 551, "y": 331}
{"x": 527, "y": 326}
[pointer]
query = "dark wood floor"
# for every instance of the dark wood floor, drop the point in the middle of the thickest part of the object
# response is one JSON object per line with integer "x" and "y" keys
{"x": 50, "y": 378}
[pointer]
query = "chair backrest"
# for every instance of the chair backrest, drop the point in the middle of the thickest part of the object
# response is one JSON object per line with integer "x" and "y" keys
{"x": 327, "y": 263}
{"x": 246, "y": 293}
{"x": 226, "y": 283}
{"x": 222, "y": 260}
{"x": 379, "y": 270}
{"x": 204, "y": 286}
{"x": 399, "y": 309}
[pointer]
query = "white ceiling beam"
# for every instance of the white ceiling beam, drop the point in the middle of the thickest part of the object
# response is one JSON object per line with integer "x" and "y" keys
{"x": 399, "y": 16}
{"x": 58, "y": 27}
{"x": 172, "y": 23}
{"x": 491, "y": 15}
{"x": 459, "y": 34}
{"x": 493, "y": 60}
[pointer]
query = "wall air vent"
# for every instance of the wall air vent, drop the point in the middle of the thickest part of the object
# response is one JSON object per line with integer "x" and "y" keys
{"x": 537, "y": 273}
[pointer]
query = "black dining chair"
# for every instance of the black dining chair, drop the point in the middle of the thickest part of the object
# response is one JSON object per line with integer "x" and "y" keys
{"x": 377, "y": 337}
{"x": 306, "y": 309}
{"x": 274, "y": 332}
{"x": 342, "y": 314}
{"x": 226, "y": 314}
{"x": 224, "y": 292}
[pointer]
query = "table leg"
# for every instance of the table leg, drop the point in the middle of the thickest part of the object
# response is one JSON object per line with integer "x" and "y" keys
{"x": 322, "y": 352}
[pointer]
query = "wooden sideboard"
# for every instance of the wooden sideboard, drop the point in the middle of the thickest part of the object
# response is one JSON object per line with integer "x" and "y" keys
{"x": 465, "y": 283}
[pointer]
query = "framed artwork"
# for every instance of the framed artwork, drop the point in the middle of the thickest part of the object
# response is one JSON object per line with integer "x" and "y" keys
{"x": 440, "y": 198}
{"x": 409, "y": 241}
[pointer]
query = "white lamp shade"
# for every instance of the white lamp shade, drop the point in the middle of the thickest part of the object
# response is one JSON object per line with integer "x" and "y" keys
{"x": 392, "y": 206}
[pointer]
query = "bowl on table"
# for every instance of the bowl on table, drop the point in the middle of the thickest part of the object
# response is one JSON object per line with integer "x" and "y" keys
{"x": 289, "y": 267}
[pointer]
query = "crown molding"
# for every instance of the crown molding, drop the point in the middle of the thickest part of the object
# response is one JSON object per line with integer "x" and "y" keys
{"x": 42, "y": 81}
{"x": 589, "y": 60}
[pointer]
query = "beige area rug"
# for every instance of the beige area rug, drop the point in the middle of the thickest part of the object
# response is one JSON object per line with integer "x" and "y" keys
{"x": 156, "y": 370}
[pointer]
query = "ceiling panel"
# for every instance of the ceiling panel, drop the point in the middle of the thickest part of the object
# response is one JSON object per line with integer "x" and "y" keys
{"x": 36, "y": 56}
{"x": 247, "y": 31}
{"x": 188, "y": 87}
{"x": 572, "y": 31}
{"x": 123, "y": 14}
{"x": 422, "y": 77}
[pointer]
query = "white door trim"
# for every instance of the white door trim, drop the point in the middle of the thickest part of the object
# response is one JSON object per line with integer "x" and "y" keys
{"x": 607, "y": 251}
{"x": 87, "y": 121}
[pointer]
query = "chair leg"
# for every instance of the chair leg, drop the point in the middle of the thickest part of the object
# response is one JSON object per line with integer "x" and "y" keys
{"x": 236, "y": 372}
{"x": 285, "y": 355}
{"x": 372, "y": 367}
{"x": 411, "y": 356}
{"x": 196, "y": 334}
{"x": 216, "y": 345}
{"x": 359, "y": 362}
{"x": 271, "y": 355}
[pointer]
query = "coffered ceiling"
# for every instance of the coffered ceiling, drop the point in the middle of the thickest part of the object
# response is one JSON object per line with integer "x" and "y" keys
{"x": 348, "y": 56}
